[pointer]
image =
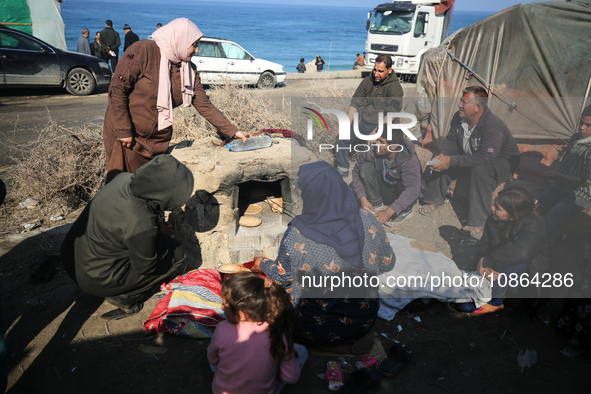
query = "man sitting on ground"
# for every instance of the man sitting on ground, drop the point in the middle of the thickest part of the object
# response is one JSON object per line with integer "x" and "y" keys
{"x": 379, "y": 92}
{"x": 570, "y": 189}
{"x": 389, "y": 174}
{"x": 480, "y": 145}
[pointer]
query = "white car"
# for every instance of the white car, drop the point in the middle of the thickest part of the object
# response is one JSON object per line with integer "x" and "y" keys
{"x": 220, "y": 61}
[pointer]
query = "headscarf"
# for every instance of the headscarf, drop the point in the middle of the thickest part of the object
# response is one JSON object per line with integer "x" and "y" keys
{"x": 331, "y": 211}
{"x": 174, "y": 39}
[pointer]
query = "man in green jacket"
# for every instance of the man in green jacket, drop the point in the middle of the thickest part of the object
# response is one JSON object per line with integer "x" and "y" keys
{"x": 110, "y": 41}
{"x": 119, "y": 248}
{"x": 379, "y": 92}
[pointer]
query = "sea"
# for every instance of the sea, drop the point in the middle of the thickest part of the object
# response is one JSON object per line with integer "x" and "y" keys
{"x": 281, "y": 33}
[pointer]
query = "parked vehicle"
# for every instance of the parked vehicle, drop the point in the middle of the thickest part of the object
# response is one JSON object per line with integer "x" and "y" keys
{"x": 26, "y": 61}
{"x": 405, "y": 30}
{"x": 220, "y": 61}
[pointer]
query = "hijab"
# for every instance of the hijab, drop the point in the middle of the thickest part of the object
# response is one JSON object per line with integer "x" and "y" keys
{"x": 174, "y": 40}
{"x": 331, "y": 211}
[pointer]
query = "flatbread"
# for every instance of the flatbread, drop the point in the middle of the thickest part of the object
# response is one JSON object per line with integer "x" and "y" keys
{"x": 253, "y": 209}
{"x": 249, "y": 221}
{"x": 232, "y": 268}
{"x": 276, "y": 204}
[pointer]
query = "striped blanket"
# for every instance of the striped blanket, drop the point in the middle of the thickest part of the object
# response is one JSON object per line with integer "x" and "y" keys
{"x": 190, "y": 306}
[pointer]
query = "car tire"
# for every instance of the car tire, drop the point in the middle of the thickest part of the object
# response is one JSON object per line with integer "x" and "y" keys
{"x": 266, "y": 81}
{"x": 80, "y": 82}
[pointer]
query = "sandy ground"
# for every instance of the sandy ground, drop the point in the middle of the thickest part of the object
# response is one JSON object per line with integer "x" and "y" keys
{"x": 57, "y": 342}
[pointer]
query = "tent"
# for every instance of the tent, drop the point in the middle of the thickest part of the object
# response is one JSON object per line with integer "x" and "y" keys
{"x": 533, "y": 58}
{"x": 41, "y": 18}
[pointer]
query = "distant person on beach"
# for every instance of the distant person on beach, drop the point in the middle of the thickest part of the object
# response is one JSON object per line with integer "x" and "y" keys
{"x": 301, "y": 67}
{"x": 478, "y": 145}
{"x": 96, "y": 47}
{"x": 387, "y": 179}
{"x": 130, "y": 37}
{"x": 258, "y": 331}
{"x": 146, "y": 87}
{"x": 83, "y": 44}
{"x": 359, "y": 62}
{"x": 120, "y": 247}
{"x": 110, "y": 42}
{"x": 569, "y": 191}
{"x": 377, "y": 93}
{"x": 319, "y": 63}
{"x": 158, "y": 26}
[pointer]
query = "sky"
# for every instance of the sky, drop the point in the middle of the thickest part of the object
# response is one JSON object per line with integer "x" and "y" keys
{"x": 461, "y": 5}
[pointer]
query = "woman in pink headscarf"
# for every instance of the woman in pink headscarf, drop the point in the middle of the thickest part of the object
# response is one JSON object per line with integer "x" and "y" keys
{"x": 153, "y": 77}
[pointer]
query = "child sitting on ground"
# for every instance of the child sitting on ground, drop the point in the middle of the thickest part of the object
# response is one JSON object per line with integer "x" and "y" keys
{"x": 253, "y": 350}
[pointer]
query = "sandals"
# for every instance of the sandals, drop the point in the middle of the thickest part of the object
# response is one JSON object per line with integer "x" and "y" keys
{"x": 120, "y": 313}
{"x": 488, "y": 308}
{"x": 369, "y": 361}
{"x": 398, "y": 356}
{"x": 471, "y": 231}
{"x": 334, "y": 376}
{"x": 430, "y": 208}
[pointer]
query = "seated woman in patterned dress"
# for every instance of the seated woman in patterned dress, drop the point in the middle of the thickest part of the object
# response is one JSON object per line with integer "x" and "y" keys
{"x": 329, "y": 258}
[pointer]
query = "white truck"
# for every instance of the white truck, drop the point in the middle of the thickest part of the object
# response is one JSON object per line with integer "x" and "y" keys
{"x": 405, "y": 30}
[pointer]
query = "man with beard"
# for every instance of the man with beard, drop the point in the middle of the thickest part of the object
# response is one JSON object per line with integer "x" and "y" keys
{"x": 380, "y": 92}
{"x": 387, "y": 178}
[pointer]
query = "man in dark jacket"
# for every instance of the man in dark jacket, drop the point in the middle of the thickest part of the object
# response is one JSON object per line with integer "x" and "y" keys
{"x": 390, "y": 175}
{"x": 110, "y": 42}
{"x": 130, "y": 37}
{"x": 95, "y": 46}
{"x": 480, "y": 145}
{"x": 119, "y": 248}
{"x": 380, "y": 92}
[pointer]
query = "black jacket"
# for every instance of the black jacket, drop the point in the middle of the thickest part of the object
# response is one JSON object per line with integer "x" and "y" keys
{"x": 130, "y": 38}
{"x": 527, "y": 243}
{"x": 490, "y": 139}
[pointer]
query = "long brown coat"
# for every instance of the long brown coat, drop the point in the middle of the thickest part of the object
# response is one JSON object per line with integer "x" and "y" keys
{"x": 132, "y": 109}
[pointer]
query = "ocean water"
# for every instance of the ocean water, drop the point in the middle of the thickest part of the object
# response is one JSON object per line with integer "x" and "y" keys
{"x": 280, "y": 33}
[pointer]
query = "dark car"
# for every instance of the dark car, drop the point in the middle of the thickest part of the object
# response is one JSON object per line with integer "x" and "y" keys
{"x": 26, "y": 61}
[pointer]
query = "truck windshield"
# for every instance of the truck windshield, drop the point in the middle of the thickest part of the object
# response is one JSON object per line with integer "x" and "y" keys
{"x": 391, "y": 22}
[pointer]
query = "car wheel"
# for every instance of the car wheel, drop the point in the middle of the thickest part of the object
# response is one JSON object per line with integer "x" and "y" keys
{"x": 266, "y": 81}
{"x": 80, "y": 82}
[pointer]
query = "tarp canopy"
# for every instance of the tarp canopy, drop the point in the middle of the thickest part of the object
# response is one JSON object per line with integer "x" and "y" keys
{"x": 41, "y": 18}
{"x": 533, "y": 58}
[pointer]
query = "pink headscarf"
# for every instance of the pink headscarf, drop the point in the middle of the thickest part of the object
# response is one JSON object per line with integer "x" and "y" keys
{"x": 174, "y": 40}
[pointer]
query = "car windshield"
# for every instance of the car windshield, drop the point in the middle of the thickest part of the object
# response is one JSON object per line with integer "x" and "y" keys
{"x": 234, "y": 51}
{"x": 391, "y": 22}
{"x": 9, "y": 40}
{"x": 209, "y": 49}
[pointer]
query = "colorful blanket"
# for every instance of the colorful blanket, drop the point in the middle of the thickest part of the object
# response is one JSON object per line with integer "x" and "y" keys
{"x": 190, "y": 306}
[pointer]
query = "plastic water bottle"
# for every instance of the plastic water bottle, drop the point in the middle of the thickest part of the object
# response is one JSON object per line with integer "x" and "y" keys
{"x": 260, "y": 142}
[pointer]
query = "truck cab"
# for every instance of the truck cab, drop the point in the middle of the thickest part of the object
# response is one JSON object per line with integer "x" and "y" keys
{"x": 405, "y": 30}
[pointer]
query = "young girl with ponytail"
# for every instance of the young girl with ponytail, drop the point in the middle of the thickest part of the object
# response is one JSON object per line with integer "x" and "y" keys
{"x": 253, "y": 349}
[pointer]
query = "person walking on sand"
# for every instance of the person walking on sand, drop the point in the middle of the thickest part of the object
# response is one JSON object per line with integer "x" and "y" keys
{"x": 153, "y": 77}
{"x": 319, "y": 63}
{"x": 83, "y": 44}
{"x": 130, "y": 37}
{"x": 110, "y": 42}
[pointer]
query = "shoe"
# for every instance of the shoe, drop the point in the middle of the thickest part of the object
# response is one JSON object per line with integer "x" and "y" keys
{"x": 402, "y": 217}
{"x": 398, "y": 356}
{"x": 428, "y": 209}
{"x": 471, "y": 230}
{"x": 121, "y": 313}
{"x": 487, "y": 308}
{"x": 361, "y": 380}
{"x": 343, "y": 173}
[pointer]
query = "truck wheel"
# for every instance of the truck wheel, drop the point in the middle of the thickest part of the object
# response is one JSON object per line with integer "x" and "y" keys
{"x": 80, "y": 82}
{"x": 266, "y": 81}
